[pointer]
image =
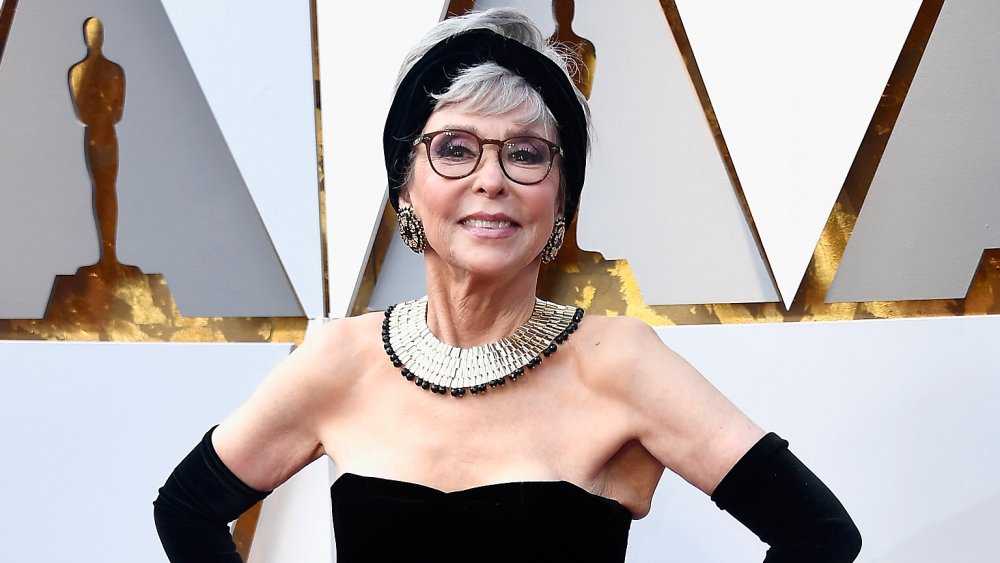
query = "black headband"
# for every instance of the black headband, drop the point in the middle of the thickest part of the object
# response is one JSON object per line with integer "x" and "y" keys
{"x": 433, "y": 74}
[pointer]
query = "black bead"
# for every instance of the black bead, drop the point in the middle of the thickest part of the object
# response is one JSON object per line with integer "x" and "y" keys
{"x": 425, "y": 384}
{"x": 482, "y": 387}
{"x": 561, "y": 338}
{"x": 434, "y": 388}
{"x": 514, "y": 376}
{"x": 519, "y": 371}
{"x": 458, "y": 391}
{"x": 550, "y": 350}
{"x": 501, "y": 381}
{"x": 419, "y": 381}
{"x": 474, "y": 389}
{"x": 407, "y": 374}
{"x": 493, "y": 383}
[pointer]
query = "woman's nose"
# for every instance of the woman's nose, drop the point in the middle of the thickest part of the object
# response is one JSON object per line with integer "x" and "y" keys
{"x": 490, "y": 177}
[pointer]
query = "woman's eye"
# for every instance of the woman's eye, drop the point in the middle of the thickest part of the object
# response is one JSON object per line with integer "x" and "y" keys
{"x": 524, "y": 156}
{"x": 454, "y": 151}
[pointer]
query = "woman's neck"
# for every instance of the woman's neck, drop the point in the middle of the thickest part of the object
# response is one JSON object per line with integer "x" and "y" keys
{"x": 466, "y": 311}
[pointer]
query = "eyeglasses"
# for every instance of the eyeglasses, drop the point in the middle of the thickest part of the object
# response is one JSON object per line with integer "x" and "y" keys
{"x": 456, "y": 154}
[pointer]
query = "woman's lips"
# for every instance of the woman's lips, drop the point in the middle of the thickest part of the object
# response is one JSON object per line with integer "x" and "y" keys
{"x": 489, "y": 226}
{"x": 486, "y": 224}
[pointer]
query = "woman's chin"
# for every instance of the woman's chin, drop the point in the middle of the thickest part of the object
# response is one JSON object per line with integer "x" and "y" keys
{"x": 492, "y": 262}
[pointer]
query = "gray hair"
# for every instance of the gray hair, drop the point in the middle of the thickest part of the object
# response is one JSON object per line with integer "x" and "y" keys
{"x": 488, "y": 88}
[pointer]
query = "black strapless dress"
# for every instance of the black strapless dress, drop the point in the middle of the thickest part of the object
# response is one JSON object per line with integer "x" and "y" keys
{"x": 377, "y": 519}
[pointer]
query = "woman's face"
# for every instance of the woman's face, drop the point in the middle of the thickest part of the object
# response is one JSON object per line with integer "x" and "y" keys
{"x": 484, "y": 223}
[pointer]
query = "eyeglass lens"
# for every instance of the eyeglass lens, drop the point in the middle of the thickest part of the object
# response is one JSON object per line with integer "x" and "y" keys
{"x": 455, "y": 154}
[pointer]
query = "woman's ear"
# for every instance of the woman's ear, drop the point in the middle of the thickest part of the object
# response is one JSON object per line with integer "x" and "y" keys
{"x": 561, "y": 196}
{"x": 404, "y": 193}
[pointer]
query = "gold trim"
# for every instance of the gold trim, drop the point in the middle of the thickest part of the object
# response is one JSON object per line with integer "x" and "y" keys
{"x": 7, "y": 10}
{"x": 320, "y": 176}
{"x": 137, "y": 307}
{"x": 458, "y": 8}
{"x": 245, "y": 529}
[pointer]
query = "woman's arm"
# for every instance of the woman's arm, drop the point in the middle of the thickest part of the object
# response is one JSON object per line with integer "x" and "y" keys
{"x": 262, "y": 444}
{"x": 196, "y": 503}
{"x": 691, "y": 428}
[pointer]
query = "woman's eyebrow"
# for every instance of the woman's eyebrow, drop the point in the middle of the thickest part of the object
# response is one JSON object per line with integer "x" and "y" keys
{"x": 516, "y": 131}
{"x": 455, "y": 127}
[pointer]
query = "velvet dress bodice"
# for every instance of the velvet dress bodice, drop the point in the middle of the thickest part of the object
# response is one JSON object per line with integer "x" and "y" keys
{"x": 378, "y": 519}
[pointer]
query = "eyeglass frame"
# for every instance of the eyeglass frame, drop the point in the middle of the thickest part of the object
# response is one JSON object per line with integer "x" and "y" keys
{"x": 426, "y": 138}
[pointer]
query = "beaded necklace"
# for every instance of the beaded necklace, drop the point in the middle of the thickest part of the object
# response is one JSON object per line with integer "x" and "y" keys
{"x": 441, "y": 368}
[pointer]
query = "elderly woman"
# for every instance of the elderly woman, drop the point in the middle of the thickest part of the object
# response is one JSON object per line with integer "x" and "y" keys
{"x": 480, "y": 423}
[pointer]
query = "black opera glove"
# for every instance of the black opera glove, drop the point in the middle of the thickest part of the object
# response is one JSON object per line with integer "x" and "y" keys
{"x": 778, "y": 498}
{"x": 197, "y": 503}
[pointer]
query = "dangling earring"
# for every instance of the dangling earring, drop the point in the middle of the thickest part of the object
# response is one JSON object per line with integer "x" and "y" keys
{"x": 555, "y": 241}
{"x": 411, "y": 230}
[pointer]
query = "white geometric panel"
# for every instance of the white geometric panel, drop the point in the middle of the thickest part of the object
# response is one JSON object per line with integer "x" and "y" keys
{"x": 657, "y": 190}
{"x": 357, "y": 74}
{"x": 794, "y": 85}
{"x": 183, "y": 208}
{"x": 402, "y": 277}
{"x": 258, "y": 82}
{"x": 296, "y": 521}
{"x": 934, "y": 203}
{"x": 46, "y": 215}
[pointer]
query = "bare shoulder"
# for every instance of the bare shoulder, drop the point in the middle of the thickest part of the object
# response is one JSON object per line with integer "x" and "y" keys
{"x": 623, "y": 348}
{"x": 674, "y": 412}
{"x": 330, "y": 353}
{"x": 313, "y": 378}
{"x": 279, "y": 429}
{"x": 342, "y": 340}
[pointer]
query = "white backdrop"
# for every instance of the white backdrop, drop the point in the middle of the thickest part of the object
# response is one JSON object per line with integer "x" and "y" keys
{"x": 90, "y": 431}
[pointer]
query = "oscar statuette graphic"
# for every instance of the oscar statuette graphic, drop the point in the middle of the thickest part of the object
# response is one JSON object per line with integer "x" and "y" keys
{"x": 109, "y": 300}
{"x": 97, "y": 88}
